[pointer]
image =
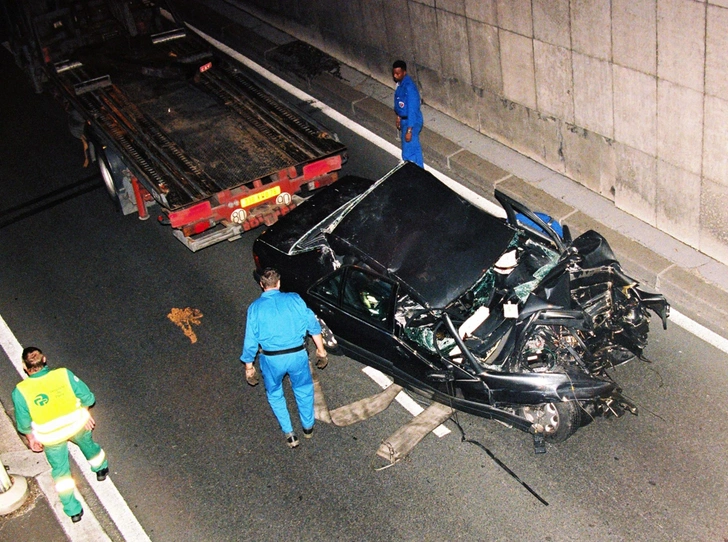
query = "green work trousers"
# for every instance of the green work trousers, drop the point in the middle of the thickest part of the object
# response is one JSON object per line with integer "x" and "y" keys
{"x": 57, "y": 455}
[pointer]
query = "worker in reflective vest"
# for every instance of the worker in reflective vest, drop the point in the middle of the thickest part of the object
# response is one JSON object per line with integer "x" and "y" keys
{"x": 51, "y": 408}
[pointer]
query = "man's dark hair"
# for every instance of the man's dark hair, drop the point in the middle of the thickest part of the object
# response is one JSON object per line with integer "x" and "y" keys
{"x": 399, "y": 64}
{"x": 269, "y": 277}
{"x": 33, "y": 358}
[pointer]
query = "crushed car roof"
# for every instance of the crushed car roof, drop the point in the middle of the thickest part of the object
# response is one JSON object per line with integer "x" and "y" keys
{"x": 425, "y": 234}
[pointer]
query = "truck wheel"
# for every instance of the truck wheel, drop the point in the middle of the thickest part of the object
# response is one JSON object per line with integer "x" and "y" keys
{"x": 107, "y": 176}
{"x": 113, "y": 170}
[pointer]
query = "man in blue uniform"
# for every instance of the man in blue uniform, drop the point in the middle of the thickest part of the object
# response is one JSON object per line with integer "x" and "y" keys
{"x": 277, "y": 322}
{"x": 409, "y": 115}
{"x": 51, "y": 408}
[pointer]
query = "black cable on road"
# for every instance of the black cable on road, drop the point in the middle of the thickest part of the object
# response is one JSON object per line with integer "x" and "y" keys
{"x": 498, "y": 461}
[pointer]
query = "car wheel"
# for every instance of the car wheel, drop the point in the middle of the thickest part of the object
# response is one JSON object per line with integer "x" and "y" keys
{"x": 559, "y": 420}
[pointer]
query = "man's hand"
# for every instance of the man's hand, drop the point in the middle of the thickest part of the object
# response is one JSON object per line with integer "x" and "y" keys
{"x": 251, "y": 376}
{"x": 90, "y": 424}
{"x": 408, "y": 135}
{"x": 399, "y": 123}
{"x": 322, "y": 358}
{"x": 33, "y": 443}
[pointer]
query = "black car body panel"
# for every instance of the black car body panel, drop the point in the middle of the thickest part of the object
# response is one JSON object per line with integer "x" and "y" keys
{"x": 508, "y": 319}
{"x": 424, "y": 234}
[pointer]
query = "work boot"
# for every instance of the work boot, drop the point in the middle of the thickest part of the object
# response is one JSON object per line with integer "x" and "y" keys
{"x": 76, "y": 518}
{"x": 292, "y": 440}
{"x": 102, "y": 474}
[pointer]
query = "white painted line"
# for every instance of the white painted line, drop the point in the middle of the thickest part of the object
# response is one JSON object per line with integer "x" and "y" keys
{"x": 108, "y": 495}
{"x": 402, "y": 398}
{"x": 701, "y": 332}
{"x": 86, "y": 530}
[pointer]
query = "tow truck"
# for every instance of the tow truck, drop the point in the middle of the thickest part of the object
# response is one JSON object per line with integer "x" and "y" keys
{"x": 169, "y": 120}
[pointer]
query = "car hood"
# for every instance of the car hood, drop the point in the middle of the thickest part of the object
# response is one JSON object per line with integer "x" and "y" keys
{"x": 426, "y": 235}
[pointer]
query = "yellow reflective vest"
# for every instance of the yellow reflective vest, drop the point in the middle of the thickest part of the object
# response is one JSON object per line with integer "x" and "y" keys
{"x": 55, "y": 411}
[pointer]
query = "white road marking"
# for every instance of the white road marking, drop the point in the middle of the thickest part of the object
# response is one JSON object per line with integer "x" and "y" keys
{"x": 109, "y": 497}
{"x": 402, "y": 398}
{"x": 701, "y": 332}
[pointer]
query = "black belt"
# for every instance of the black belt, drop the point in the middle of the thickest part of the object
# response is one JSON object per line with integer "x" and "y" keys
{"x": 285, "y": 351}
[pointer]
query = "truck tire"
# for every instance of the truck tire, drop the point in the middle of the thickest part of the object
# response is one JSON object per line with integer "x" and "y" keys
{"x": 112, "y": 170}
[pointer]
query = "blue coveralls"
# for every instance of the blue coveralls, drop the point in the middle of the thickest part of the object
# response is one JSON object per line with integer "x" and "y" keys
{"x": 278, "y": 321}
{"x": 407, "y": 107}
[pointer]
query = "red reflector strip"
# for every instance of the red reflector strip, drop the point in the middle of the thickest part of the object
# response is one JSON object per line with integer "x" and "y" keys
{"x": 322, "y": 167}
{"x": 195, "y": 213}
{"x": 205, "y": 67}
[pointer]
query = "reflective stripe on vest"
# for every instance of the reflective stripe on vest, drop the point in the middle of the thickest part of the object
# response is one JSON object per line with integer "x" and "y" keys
{"x": 53, "y": 406}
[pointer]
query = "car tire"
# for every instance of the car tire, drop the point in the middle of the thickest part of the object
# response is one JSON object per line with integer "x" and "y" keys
{"x": 559, "y": 420}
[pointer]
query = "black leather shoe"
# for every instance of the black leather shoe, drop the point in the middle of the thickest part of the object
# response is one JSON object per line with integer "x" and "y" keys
{"x": 102, "y": 474}
{"x": 77, "y": 517}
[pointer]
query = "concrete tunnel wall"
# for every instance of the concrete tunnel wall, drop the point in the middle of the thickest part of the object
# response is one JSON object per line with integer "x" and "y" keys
{"x": 626, "y": 97}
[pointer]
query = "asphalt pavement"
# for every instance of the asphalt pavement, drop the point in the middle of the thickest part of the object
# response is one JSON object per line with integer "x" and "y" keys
{"x": 694, "y": 284}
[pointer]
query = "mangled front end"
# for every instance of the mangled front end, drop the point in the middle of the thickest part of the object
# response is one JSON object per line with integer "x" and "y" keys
{"x": 541, "y": 330}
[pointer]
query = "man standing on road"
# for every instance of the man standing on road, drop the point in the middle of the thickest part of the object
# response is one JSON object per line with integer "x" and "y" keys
{"x": 409, "y": 115}
{"x": 277, "y": 322}
{"x": 51, "y": 408}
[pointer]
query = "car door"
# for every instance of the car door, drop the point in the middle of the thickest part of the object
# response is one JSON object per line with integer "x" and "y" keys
{"x": 358, "y": 306}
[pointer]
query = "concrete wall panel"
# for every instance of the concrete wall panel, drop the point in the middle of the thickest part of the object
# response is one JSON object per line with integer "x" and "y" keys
{"x": 519, "y": 83}
{"x": 590, "y": 158}
{"x": 714, "y": 220}
{"x": 523, "y": 129}
{"x": 715, "y": 153}
{"x": 452, "y": 6}
{"x": 678, "y": 203}
{"x": 426, "y": 47}
{"x": 635, "y": 109}
{"x": 484, "y": 11}
{"x": 723, "y": 3}
{"x": 554, "y": 80}
{"x": 593, "y": 96}
{"x": 551, "y": 22}
{"x": 679, "y": 126}
{"x": 634, "y": 34}
{"x": 591, "y": 28}
{"x": 636, "y": 183}
{"x": 485, "y": 65}
{"x": 432, "y": 89}
{"x": 515, "y": 15}
{"x": 716, "y": 53}
{"x": 681, "y": 42}
{"x": 400, "y": 37}
{"x": 454, "y": 48}
{"x": 463, "y": 102}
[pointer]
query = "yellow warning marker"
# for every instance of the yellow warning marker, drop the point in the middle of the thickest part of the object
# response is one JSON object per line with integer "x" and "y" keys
{"x": 185, "y": 319}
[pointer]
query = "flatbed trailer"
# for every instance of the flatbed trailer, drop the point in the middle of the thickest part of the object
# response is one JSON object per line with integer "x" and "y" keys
{"x": 171, "y": 121}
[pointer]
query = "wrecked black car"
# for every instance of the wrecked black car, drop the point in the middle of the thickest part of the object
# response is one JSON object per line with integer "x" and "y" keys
{"x": 506, "y": 318}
